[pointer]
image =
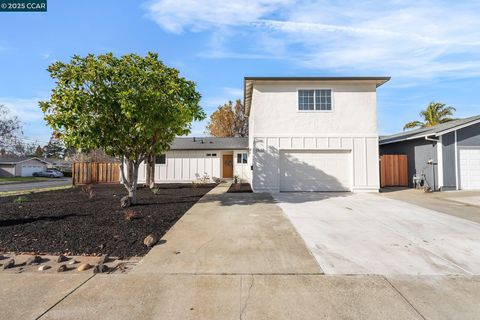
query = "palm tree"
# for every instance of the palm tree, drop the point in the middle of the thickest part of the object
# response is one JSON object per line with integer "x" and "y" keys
{"x": 435, "y": 113}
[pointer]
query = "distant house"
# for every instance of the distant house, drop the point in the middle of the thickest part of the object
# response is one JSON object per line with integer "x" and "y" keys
{"x": 448, "y": 154}
{"x": 21, "y": 166}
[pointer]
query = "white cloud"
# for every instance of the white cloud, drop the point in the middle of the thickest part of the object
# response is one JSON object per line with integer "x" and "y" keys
{"x": 27, "y": 110}
{"x": 405, "y": 39}
{"x": 177, "y": 15}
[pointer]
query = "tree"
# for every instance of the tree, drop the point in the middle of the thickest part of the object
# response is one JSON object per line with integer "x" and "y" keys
{"x": 10, "y": 130}
{"x": 118, "y": 104}
{"x": 229, "y": 121}
{"x": 434, "y": 114}
{"x": 38, "y": 152}
{"x": 54, "y": 148}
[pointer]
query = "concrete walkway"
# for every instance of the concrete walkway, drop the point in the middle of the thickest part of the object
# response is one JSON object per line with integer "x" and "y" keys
{"x": 235, "y": 257}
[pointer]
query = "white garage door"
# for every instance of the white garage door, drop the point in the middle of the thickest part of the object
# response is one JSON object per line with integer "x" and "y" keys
{"x": 28, "y": 170}
{"x": 469, "y": 169}
{"x": 314, "y": 171}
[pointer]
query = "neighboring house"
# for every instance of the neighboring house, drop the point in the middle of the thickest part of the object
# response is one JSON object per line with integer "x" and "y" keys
{"x": 453, "y": 149}
{"x": 191, "y": 159}
{"x": 59, "y": 164}
{"x": 305, "y": 134}
{"x": 314, "y": 133}
{"x": 21, "y": 166}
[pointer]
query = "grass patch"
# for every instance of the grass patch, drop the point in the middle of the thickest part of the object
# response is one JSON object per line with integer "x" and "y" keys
{"x": 21, "y": 179}
{"x": 20, "y": 192}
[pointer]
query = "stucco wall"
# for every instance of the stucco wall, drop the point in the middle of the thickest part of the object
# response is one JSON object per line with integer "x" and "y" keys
{"x": 276, "y": 124}
{"x": 418, "y": 152}
{"x": 7, "y": 170}
{"x": 275, "y": 111}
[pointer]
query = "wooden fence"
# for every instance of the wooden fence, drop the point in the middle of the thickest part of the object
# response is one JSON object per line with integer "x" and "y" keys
{"x": 393, "y": 170}
{"x": 95, "y": 172}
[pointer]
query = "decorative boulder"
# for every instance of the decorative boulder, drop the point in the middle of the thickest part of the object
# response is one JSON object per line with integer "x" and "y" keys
{"x": 125, "y": 202}
{"x": 84, "y": 266}
{"x": 150, "y": 240}
{"x": 101, "y": 268}
{"x": 61, "y": 258}
{"x": 34, "y": 260}
{"x": 9, "y": 264}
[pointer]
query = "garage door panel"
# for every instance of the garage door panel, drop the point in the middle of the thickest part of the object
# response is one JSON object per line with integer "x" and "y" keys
{"x": 469, "y": 167}
{"x": 28, "y": 171}
{"x": 315, "y": 171}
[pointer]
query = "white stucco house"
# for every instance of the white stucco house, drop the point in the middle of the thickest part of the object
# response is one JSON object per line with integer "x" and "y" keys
{"x": 305, "y": 134}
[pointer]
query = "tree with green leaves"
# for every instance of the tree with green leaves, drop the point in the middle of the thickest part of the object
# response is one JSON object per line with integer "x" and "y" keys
{"x": 128, "y": 106}
{"x": 434, "y": 114}
{"x": 54, "y": 148}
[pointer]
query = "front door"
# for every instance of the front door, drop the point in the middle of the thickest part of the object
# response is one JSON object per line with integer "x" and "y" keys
{"x": 228, "y": 166}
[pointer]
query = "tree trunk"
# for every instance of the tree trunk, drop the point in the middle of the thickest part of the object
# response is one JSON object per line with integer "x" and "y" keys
{"x": 129, "y": 180}
{"x": 153, "y": 158}
{"x": 147, "y": 171}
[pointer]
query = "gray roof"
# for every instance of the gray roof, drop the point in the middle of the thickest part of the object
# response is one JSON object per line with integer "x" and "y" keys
{"x": 13, "y": 160}
{"x": 437, "y": 130}
{"x": 209, "y": 143}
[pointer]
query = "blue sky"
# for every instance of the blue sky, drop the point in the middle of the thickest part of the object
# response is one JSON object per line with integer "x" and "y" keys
{"x": 431, "y": 49}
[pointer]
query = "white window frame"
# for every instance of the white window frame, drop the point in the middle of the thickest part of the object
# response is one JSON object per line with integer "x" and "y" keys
{"x": 241, "y": 163}
{"x": 316, "y": 111}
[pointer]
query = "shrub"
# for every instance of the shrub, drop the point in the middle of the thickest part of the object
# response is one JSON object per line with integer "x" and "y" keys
{"x": 130, "y": 215}
{"x": 20, "y": 199}
{"x": 87, "y": 189}
{"x": 155, "y": 190}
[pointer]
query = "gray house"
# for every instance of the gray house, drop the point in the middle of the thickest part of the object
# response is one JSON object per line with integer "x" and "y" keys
{"x": 448, "y": 154}
{"x": 21, "y": 166}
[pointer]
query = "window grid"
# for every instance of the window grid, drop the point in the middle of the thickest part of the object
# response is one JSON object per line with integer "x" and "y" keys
{"x": 242, "y": 158}
{"x": 320, "y": 100}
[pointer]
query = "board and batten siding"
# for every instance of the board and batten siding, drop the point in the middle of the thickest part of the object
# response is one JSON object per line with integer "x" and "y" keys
{"x": 188, "y": 165}
{"x": 363, "y": 153}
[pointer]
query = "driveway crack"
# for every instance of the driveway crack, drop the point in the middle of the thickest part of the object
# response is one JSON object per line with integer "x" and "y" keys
{"x": 404, "y": 298}
{"x": 244, "y": 307}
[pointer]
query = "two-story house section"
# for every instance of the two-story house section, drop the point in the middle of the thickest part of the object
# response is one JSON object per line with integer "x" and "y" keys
{"x": 313, "y": 133}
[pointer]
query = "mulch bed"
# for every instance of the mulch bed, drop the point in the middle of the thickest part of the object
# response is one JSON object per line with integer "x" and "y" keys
{"x": 244, "y": 188}
{"x": 67, "y": 221}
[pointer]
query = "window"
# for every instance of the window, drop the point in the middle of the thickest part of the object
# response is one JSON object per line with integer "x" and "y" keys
{"x": 160, "y": 159}
{"x": 315, "y": 100}
{"x": 211, "y": 154}
{"x": 242, "y": 157}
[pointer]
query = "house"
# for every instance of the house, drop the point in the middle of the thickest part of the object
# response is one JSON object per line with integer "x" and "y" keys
{"x": 313, "y": 133}
{"x": 305, "y": 134}
{"x": 21, "y": 166}
{"x": 191, "y": 159}
{"x": 447, "y": 154}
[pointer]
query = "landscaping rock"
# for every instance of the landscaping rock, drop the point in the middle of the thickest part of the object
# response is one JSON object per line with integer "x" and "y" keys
{"x": 125, "y": 202}
{"x": 73, "y": 261}
{"x": 34, "y": 260}
{"x": 100, "y": 268}
{"x": 62, "y": 268}
{"x": 104, "y": 258}
{"x": 150, "y": 240}
{"x": 61, "y": 258}
{"x": 43, "y": 268}
{"x": 9, "y": 264}
{"x": 84, "y": 266}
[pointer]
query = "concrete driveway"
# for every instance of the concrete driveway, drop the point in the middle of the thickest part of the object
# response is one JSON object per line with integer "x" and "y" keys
{"x": 36, "y": 185}
{"x": 370, "y": 234}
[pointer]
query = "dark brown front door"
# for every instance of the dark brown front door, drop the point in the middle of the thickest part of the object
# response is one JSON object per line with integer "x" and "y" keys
{"x": 228, "y": 166}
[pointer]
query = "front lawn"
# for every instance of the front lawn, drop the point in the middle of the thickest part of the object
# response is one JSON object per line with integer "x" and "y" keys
{"x": 21, "y": 179}
{"x": 67, "y": 221}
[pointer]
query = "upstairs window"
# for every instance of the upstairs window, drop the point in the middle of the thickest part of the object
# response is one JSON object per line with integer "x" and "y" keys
{"x": 242, "y": 158}
{"x": 315, "y": 100}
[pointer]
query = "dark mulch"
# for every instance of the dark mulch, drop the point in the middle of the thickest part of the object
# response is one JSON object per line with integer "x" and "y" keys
{"x": 244, "y": 188}
{"x": 67, "y": 221}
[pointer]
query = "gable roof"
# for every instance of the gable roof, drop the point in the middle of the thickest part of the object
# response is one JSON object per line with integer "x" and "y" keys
{"x": 209, "y": 143}
{"x": 248, "y": 84}
{"x": 15, "y": 160}
{"x": 437, "y": 130}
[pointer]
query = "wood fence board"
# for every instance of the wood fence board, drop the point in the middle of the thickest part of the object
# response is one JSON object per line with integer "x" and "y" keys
{"x": 393, "y": 170}
{"x": 94, "y": 172}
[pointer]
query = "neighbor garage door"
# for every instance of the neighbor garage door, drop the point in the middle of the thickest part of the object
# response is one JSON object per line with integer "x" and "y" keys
{"x": 469, "y": 167}
{"x": 314, "y": 171}
{"x": 28, "y": 170}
